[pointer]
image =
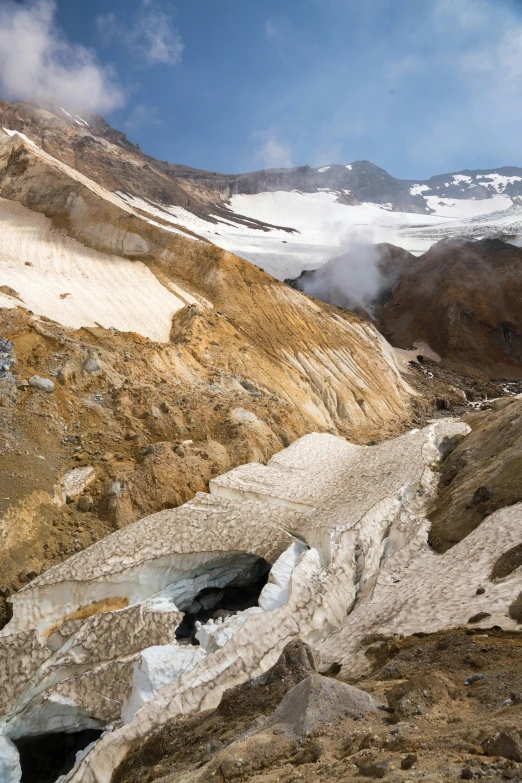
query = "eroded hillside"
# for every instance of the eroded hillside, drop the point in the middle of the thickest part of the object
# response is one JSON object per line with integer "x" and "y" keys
{"x": 165, "y": 361}
{"x": 464, "y": 299}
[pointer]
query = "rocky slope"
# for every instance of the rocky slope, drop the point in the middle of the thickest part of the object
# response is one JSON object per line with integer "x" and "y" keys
{"x": 464, "y": 299}
{"x": 461, "y": 298}
{"x": 93, "y": 145}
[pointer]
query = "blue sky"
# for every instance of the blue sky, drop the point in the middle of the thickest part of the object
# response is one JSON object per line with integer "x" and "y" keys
{"x": 417, "y": 86}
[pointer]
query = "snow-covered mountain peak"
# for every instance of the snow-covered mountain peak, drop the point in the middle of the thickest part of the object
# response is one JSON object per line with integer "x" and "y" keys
{"x": 283, "y": 220}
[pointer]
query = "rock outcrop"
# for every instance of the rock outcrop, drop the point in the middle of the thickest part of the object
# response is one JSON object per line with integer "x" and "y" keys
{"x": 463, "y": 298}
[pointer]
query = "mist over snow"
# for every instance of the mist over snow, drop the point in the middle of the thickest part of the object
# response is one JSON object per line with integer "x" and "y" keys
{"x": 38, "y": 63}
{"x": 352, "y": 279}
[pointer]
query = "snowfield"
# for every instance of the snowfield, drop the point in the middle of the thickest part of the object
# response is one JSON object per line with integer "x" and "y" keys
{"x": 465, "y": 208}
{"x": 55, "y": 276}
{"x": 315, "y": 227}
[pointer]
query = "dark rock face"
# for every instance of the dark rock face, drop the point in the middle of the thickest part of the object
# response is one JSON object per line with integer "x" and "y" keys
{"x": 363, "y": 180}
{"x": 464, "y": 299}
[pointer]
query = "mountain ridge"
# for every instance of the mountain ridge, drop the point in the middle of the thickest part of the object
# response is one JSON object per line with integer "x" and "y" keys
{"x": 362, "y": 174}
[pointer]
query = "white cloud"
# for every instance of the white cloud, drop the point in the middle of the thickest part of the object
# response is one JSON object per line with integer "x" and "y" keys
{"x": 37, "y": 62}
{"x": 271, "y": 152}
{"x": 153, "y": 34}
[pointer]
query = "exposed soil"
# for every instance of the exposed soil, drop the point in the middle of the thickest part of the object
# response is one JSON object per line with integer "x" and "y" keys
{"x": 154, "y": 424}
{"x": 430, "y": 724}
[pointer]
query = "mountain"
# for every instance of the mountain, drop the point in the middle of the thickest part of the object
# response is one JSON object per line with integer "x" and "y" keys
{"x": 242, "y": 536}
{"x": 465, "y": 299}
{"x": 283, "y": 220}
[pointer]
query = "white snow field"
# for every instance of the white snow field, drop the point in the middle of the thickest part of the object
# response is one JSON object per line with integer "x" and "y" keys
{"x": 56, "y": 276}
{"x": 92, "y": 641}
{"x": 322, "y": 228}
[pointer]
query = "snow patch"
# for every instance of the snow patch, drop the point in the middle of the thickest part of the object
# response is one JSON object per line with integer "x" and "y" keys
{"x": 498, "y": 181}
{"x": 216, "y": 633}
{"x": 467, "y": 208}
{"x": 276, "y": 591}
{"x": 458, "y": 178}
{"x": 101, "y": 289}
{"x": 10, "y": 769}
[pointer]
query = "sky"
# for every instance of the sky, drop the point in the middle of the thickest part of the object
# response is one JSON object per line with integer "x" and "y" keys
{"x": 419, "y": 87}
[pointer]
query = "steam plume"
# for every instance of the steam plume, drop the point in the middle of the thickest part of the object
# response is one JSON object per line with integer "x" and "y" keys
{"x": 352, "y": 279}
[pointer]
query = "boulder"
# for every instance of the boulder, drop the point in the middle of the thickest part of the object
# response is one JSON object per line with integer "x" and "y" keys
{"x": 377, "y": 770}
{"x": 42, "y": 384}
{"x": 515, "y": 609}
{"x": 91, "y": 365}
{"x": 506, "y": 743}
{"x": 319, "y": 700}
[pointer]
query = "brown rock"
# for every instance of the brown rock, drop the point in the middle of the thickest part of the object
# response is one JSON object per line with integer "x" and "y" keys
{"x": 308, "y": 755}
{"x": 515, "y": 609}
{"x": 377, "y": 770}
{"x": 415, "y": 696}
{"x": 408, "y": 761}
{"x": 85, "y": 503}
{"x": 507, "y": 562}
{"x": 481, "y": 495}
{"x": 229, "y": 769}
{"x": 507, "y": 743}
{"x": 477, "y": 618}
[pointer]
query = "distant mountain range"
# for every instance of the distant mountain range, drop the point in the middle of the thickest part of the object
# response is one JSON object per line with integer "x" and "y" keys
{"x": 284, "y": 220}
